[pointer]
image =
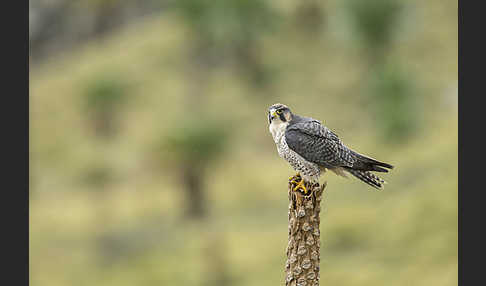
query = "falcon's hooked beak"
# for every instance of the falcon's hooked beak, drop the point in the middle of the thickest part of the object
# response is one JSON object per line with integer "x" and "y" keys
{"x": 272, "y": 114}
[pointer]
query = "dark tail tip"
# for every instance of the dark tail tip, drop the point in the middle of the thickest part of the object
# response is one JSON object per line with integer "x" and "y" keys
{"x": 382, "y": 164}
{"x": 374, "y": 162}
{"x": 386, "y": 165}
{"x": 379, "y": 169}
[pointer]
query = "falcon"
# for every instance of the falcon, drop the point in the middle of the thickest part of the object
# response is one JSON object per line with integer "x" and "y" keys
{"x": 311, "y": 148}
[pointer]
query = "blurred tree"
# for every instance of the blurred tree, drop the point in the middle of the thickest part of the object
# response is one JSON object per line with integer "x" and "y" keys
{"x": 309, "y": 16}
{"x": 396, "y": 100}
{"x": 374, "y": 21}
{"x": 189, "y": 149}
{"x": 392, "y": 91}
{"x": 103, "y": 96}
{"x": 97, "y": 176}
{"x": 228, "y": 31}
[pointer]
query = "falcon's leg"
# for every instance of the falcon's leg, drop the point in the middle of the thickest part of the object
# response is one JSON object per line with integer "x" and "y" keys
{"x": 301, "y": 185}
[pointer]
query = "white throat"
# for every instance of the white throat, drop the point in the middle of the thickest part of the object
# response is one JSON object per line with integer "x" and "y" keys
{"x": 277, "y": 128}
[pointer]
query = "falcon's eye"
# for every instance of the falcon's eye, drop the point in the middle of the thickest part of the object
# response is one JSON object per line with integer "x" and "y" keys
{"x": 279, "y": 111}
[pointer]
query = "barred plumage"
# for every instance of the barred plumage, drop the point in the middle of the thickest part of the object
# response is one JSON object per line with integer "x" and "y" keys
{"x": 368, "y": 177}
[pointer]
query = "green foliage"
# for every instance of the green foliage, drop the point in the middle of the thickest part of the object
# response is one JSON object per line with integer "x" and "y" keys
{"x": 392, "y": 91}
{"x": 194, "y": 141}
{"x": 105, "y": 93}
{"x": 103, "y": 96}
{"x": 190, "y": 147}
{"x": 374, "y": 20}
{"x": 223, "y": 21}
{"x": 395, "y": 97}
{"x": 230, "y": 32}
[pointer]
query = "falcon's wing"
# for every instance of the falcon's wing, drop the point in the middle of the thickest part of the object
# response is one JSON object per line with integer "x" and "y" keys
{"x": 317, "y": 144}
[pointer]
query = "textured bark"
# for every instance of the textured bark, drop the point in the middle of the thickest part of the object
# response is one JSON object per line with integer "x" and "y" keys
{"x": 303, "y": 250}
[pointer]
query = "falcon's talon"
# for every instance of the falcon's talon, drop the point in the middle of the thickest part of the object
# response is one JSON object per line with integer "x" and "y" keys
{"x": 295, "y": 178}
{"x": 301, "y": 185}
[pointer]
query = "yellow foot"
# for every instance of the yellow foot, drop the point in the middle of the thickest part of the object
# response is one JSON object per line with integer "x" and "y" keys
{"x": 295, "y": 178}
{"x": 301, "y": 185}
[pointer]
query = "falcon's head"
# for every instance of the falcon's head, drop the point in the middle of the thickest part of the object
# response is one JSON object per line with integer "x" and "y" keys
{"x": 279, "y": 113}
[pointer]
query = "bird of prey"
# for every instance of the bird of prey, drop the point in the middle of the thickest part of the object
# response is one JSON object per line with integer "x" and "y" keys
{"x": 311, "y": 148}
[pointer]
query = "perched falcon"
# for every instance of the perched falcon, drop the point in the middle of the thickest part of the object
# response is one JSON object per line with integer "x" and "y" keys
{"x": 311, "y": 148}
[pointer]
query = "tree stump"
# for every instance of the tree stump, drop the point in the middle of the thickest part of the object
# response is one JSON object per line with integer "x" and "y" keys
{"x": 303, "y": 249}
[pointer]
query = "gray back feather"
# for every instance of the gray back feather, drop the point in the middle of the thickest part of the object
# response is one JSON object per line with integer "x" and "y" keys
{"x": 316, "y": 143}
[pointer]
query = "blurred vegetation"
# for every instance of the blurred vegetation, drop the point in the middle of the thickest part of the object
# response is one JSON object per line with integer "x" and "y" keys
{"x": 229, "y": 32}
{"x": 374, "y": 22}
{"x": 310, "y": 16}
{"x": 56, "y": 26}
{"x": 174, "y": 87}
{"x": 398, "y": 112}
{"x": 103, "y": 97}
{"x": 190, "y": 148}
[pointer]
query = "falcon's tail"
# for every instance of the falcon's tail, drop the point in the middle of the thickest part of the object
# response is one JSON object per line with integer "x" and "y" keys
{"x": 366, "y": 163}
{"x": 368, "y": 177}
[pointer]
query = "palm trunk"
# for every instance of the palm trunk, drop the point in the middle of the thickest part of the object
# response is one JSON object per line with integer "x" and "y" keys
{"x": 303, "y": 250}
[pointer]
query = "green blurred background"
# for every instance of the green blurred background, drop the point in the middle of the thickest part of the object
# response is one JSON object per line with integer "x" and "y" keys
{"x": 150, "y": 157}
